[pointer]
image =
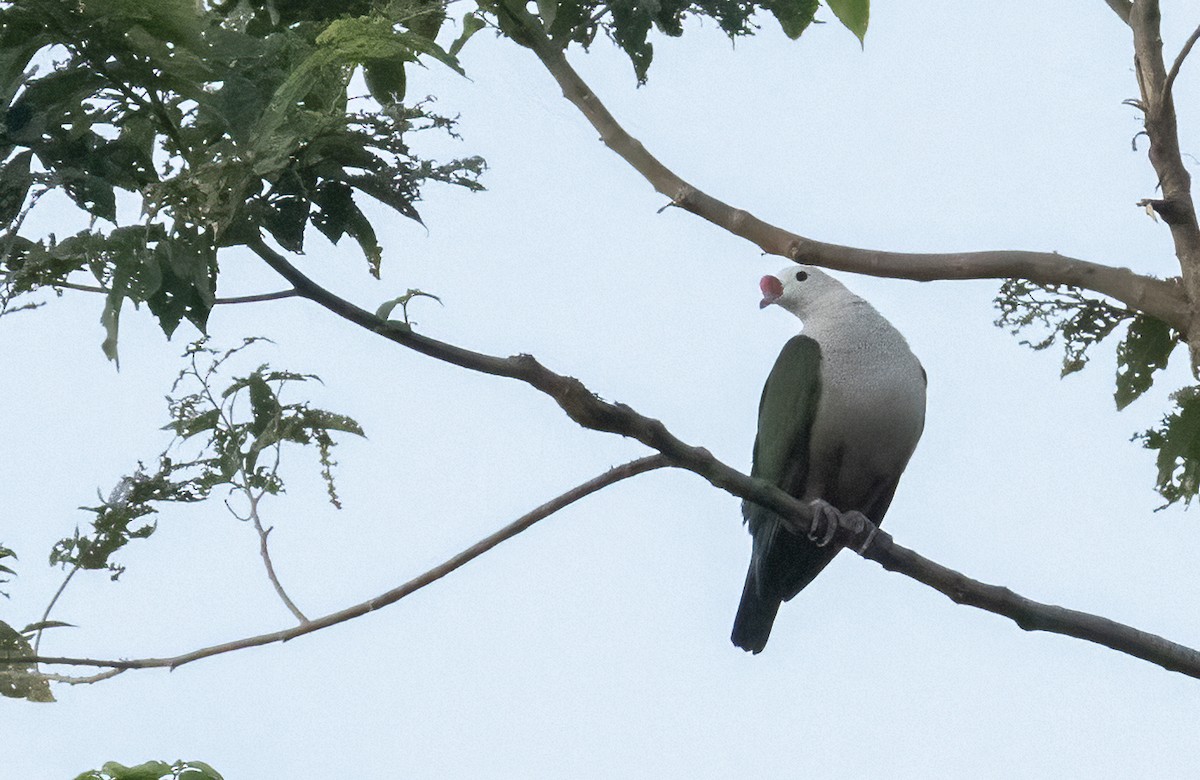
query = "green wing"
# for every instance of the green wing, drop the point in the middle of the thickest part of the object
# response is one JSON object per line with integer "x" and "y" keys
{"x": 781, "y": 563}
{"x": 785, "y": 415}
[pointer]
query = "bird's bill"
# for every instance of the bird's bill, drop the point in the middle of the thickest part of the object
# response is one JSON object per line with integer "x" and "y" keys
{"x": 772, "y": 290}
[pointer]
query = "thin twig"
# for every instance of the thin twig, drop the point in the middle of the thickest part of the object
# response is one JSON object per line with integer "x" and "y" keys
{"x": 1183, "y": 53}
{"x": 85, "y": 680}
{"x": 37, "y": 639}
{"x": 266, "y": 557}
{"x": 612, "y": 476}
{"x": 258, "y": 298}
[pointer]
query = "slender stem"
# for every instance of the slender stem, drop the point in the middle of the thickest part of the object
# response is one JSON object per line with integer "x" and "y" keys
{"x": 1175, "y": 66}
{"x": 266, "y": 557}
{"x": 612, "y": 476}
{"x": 37, "y": 639}
{"x": 257, "y": 298}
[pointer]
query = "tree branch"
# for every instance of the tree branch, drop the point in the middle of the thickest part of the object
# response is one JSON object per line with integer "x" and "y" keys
{"x": 1121, "y": 8}
{"x": 1032, "y": 615}
{"x": 612, "y": 476}
{"x": 590, "y": 411}
{"x": 1178, "y": 63}
{"x": 1161, "y": 125}
{"x": 1158, "y": 298}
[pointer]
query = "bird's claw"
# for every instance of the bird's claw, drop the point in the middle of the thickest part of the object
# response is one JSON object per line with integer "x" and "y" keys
{"x": 826, "y": 519}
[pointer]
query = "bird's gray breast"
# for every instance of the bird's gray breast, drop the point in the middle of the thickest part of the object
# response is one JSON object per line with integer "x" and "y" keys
{"x": 868, "y": 420}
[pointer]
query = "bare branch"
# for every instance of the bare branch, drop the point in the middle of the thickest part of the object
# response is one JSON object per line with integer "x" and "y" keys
{"x": 1121, "y": 8}
{"x": 84, "y": 680}
{"x": 1032, "y": 615}
{"x": 612, "y": 476}
{"x": 266, "y": 557}
{"x": 1158, "y": 298}
{"x": 1175, "y": 66}
{"x": 259, "y": 298}
{"x": 590, "y": 411}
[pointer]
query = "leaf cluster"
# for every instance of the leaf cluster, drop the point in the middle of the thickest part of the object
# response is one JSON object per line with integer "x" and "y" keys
{"x": 1080, "y": 322}
{"x": 153, "y": 770}
{"x": 628, "y": 23}
{"x": 222, "y": 125}
{"x": 242, "y": 430}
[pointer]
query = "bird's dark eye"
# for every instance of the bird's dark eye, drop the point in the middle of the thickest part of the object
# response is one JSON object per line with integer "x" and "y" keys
{"x": 801, "y": 276}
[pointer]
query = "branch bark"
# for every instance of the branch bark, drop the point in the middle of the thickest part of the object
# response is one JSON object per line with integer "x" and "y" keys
{"x": 590, "y": 411}
{"x": 1158, "y": 298}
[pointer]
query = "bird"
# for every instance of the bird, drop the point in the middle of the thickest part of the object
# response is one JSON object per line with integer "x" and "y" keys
{"x": 840, "y": 416}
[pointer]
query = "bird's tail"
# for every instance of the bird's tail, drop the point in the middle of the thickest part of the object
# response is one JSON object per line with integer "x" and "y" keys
{"x": 755, "y": 616}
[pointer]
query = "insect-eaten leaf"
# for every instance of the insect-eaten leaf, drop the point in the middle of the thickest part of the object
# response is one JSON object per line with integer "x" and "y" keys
{"x": 1147, "y": 346}
{"x": 1177, "y": 442}
{"x": 20, "y": 679}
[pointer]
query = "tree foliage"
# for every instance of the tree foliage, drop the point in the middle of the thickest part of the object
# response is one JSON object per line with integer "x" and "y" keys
{"x": 220, "y": 125}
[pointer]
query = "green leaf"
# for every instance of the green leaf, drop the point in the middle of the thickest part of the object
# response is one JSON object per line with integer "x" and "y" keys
{"x": 385, "y": 309}
{"x": 854, "y": 14}
{"x": 794, "y": 16}
{"x": 386, "y": 80}
{"x": 1178, "y": 444}
{"x": 15, "y": 181}
{"x": 110, "y": 320}
{"x": 264, "y": 404}
{"x": 42, "y": 625}
{"x": 547, "y": 9}
{"x": 329, "y": 421}
{"x": 20, "y": 680}
{"x": 151, "y": 770}
{"x": 1147, "y": 346}
{"x": 471, "y": 23}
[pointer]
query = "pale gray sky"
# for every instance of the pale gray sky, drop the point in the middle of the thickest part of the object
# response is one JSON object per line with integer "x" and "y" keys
{"x": 596, "y": 645}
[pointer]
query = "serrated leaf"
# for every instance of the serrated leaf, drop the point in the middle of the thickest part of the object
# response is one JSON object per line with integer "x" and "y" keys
{"x": 1147, "y": 346}
{"x": 854, "y": 14}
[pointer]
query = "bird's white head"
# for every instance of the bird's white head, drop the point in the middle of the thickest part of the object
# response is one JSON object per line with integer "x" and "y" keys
{"x": 800, "y": 289}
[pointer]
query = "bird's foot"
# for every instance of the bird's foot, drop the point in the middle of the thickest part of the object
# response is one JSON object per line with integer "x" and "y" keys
{"x": 828, "y": 519}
